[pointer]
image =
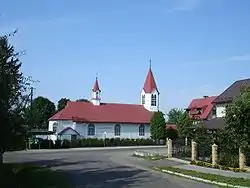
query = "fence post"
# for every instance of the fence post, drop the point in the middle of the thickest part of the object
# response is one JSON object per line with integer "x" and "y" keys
{"x": 241, "y": 159}
{"x": 214, "y": 154}
{"x": 194, "y": 150}
{"x": 170, "y": 148}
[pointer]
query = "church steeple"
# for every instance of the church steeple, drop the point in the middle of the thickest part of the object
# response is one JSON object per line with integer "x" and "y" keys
{"x": 96, "y": 100}
{"x": 150, "y": 92}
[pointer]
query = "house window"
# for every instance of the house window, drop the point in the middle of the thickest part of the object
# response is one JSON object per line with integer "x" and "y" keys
{"x": 117, "y": 130}
{"x": 142, "y": 130}
{"x": 153, "y": 100}
{"x": 214, "y": 111}
{"x": 54, "y": 127}
{"x": 73, "y": 137}
{"x": 91, "y": 130}
{"x": 143, "y": 99}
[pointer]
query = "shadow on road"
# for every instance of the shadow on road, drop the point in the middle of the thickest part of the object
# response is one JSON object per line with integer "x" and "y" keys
{"x": 93, "y": 177}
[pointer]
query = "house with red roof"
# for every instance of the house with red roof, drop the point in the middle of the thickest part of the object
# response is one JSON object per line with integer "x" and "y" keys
{"x": 202, "y": 108}
{"x": 97, "y": 119}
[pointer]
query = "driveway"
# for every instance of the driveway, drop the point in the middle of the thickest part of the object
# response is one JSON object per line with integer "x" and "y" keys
{"x": 105, "y": 169}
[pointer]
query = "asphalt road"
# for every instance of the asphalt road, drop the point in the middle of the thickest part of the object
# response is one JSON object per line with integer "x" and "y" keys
{"x": 106, "y": 169}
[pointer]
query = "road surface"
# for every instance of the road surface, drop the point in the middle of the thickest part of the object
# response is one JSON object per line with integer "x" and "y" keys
{"x": 106, "y": 169}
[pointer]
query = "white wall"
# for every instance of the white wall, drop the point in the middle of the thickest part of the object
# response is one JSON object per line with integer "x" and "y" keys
{"x": 127, "y": 130}
{"x": 220, "y": 110}
{"x": 147, "y": 104}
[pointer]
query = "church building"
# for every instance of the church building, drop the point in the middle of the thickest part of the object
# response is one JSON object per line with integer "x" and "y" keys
{"x": 97, "y": 119}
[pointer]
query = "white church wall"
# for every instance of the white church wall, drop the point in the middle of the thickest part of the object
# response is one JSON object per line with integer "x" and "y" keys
{"x": 101, "y": 130}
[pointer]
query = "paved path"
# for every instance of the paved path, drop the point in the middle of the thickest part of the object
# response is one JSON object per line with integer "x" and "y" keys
{"x": 105, "y": 169}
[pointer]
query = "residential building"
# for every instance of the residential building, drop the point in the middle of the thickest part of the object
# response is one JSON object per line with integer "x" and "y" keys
{"x": 97, "y": 119}
{"x": 227, "y": 96}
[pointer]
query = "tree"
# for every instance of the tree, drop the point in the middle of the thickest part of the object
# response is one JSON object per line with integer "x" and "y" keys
{"x": 158, "y": 126}
{"x": 238, "y": 121}
{"x": 174, "y": 116}
{"x": 172, "y": 133}
{"x": 62, "y": 103}
{"x": 40, "y": 111}
{"x": 185, "y": 127}
{"x": 13, "y": 95}
{"x": 82, "y": 100}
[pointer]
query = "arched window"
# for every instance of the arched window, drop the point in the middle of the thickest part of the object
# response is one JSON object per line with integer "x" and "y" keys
{"x": 143, "y": 99}
{"x": 153, "y": 100}
{"x": 91, "y": 130}
{"x": 142, "y": 130}
{"x": 117, "y": 130}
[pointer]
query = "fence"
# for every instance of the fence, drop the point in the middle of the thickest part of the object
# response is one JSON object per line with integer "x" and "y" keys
{"x": 208, "y": 152}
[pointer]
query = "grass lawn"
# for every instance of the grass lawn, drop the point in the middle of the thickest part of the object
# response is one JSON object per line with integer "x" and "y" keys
{"x": 23, "y": 176}
{"x": 212, "y": 177}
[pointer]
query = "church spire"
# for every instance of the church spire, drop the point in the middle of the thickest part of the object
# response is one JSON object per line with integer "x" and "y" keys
{"x": 96, "y": 100}
{"x": 150, "y": 84}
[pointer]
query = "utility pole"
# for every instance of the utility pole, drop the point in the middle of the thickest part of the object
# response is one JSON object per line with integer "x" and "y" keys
{"x": 31, "y": 112}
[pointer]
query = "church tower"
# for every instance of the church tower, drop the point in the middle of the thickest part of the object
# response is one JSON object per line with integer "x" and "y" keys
{"x": 150, "y": 93}
{"x": 96, "y": 100}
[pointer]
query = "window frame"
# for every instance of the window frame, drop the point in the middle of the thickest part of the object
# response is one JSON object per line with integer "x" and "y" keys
{"x": 153, "y": 100}
{"x": 117, "y": 130}
{"x": 91, "y": 129}
{"x": 141, "y": 130}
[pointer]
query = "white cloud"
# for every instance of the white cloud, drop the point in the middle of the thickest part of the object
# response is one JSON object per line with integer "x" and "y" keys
{"x": 185, "y": 5}
{"x": 245, "y": 57}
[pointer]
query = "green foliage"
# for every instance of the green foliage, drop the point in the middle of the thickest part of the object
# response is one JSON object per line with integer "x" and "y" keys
{"x": 185, "y": 127}
{"x": 82, "y": 100}
{"x": 158, "y": 126}
{"x": 238, "y": 121}
{"x": 62, "y": 103}
{"x": 172, "y": 133}
{"x": 13, "y": 95}
{"x": 174, "y": 116}
{"x": 42, "y": 109}
{"x": 92, "y": 142}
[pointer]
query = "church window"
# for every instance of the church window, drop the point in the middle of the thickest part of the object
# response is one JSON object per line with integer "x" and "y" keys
{"x": 142, "y": 130}
{"x": 153, "y": 100}
{"x": 91, "y": 130}
{"x": 143, "y": 99}
{"x": 117, "y": 130}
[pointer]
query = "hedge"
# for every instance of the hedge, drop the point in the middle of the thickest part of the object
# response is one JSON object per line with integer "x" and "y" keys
{"x": 92, "y": 142}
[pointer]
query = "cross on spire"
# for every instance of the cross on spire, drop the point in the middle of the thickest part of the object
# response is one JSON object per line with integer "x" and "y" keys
{"x": 150, "y": 63}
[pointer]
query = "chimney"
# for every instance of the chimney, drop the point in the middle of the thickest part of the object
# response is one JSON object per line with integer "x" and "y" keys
{"x": 205, "y": 96}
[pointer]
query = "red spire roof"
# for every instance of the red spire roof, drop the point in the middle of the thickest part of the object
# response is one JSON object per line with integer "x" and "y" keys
{"x": 150, "y": 84}
{"x": 96, "y": 86}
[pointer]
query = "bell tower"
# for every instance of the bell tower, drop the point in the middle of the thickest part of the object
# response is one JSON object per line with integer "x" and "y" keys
{"x": 96, "y": 100}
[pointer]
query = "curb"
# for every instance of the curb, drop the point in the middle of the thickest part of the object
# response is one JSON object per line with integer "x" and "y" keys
{"x": 200, "y": 179}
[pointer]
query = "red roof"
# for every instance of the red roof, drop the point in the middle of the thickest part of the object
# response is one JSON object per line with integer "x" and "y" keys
{"x": 205, "y": 104}
{"x": 150, "y": 84}
{"x": 104, "y": 113}
{"x": 96, "y": 86}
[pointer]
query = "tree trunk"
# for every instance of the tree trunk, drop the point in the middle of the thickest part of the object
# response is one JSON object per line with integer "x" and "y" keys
{"x": 1, "y": 155}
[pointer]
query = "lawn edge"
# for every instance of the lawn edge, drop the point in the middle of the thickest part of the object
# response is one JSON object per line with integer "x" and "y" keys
{"x": 198, "y": 179}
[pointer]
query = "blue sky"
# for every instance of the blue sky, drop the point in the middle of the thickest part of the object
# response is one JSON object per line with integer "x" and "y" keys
{"x": 198, "y": 47}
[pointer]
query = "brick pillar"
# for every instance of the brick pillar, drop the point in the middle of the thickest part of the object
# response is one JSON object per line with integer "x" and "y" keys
{"x": 170, "y": 148}
{"x": 194, "y": 151}
{"x": 241, "y": 160}
{"x": 214, "y": 154}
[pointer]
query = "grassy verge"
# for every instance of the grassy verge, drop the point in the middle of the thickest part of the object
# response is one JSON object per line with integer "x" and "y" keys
{"x": 211, "y": 177}
{"x": 150, "y": 158}
{"x": 23, "y": 175}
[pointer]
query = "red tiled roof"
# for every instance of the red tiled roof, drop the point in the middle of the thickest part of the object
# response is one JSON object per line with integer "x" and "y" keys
{"x": 104, "y": 113}
{"x": 205, "y": 104}
{"x": 96, "y": 86}
{"x": 150, "y": 84}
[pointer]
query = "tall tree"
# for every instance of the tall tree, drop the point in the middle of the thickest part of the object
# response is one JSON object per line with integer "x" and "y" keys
{"x": 238, "y": 121}
{"x": 174, "y": 116}
{"x": 13, "y": 95}
{"x": 40, "y": 111}
{"x": 62, "y": 103}
{"x": 158, "y": 126}
{"x": 185, "y": 127}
